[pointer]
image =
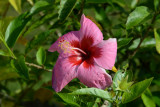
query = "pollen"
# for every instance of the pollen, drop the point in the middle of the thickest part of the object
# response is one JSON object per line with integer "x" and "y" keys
{"x": 65, "y": 45}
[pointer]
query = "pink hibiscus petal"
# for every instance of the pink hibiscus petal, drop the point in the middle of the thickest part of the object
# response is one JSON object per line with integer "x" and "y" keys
{"x": 105, "y": 53}
{"x": 90, "y": 34}
{"x": 94, "y": 76}
{"x": 72, "y": 38}
{"x": 64, "y": 71}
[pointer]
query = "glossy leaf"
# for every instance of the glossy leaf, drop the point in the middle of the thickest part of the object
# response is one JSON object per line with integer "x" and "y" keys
{"x": 136, "y": 90}
{"x": 16, "y": 4}
{"x": 41, "y": 56}
{"x": 147, "y": 99}
{"x": 157, "y": 38}
{"x": 66, "y": 7}
{"x": 20, "y": 67}
{"x": 123, "y": 42}
{"x": 137, "y": 16}
{"x": 94, "y": 92}
{"x": 39, "y": 6}
{"x": 14, "y": 29}
{"x": 68, "y": 98}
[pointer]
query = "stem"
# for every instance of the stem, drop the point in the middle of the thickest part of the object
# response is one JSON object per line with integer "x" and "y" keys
{"x": 11, "y": 53}
{"x": 37, "y": 66}
{"x": 145, "y": 35}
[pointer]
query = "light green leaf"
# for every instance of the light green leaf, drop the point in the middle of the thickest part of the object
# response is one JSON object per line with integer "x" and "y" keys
{"x": 137, "y": 16}
{"x": 157, "y": 38}
{"x": 41, "y": 56}
{"x": 14, "y": 29}
{"x": 68, "y": 98}
{"x": 66, "y": 7}
{"x": 136, "y": 90}
{"x": 20, "y": 67}
{"x": 147, "y": 98}
{"x": 94, "y": 92}
{"x": 39, "y": 6}
{"x": 124, "y": 41}
{"x": 16, "y": 4}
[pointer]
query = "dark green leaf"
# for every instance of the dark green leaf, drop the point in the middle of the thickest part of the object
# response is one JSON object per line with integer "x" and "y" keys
{"x": 41, "y": 56}
{"x": 68, "y": 98}
{"x": 94, "y": 92}
{"x": 66, "y": 7}
{"x": 37, "y": 40}
{"x": 20, "y": 67}
{"x": 157, "y": 38}
{"x": 97, "y": 1}
{"x": 123, "y": 42}
{"x": 14, "y": 29}
{"x": 39, "y": 6}
{"x": 137, "y": 16}
{"x": 136, "y": 90}
{"x": 147, "y": 98}
{"x": 156, "y": 4}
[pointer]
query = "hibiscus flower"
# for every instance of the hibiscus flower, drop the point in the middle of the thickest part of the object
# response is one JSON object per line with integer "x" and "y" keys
{"x": 84, "y": 55}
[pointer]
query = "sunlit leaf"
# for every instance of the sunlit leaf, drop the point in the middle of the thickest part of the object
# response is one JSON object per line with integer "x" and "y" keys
{"x": 137, "y": 16}
{"x": 136, "y": 90}
{"x": 68, "y": 98}
{"x": 94, "y": 92}
{"x": 66, "y": 7}
{"x": 147, "y": 98}
{"x": 14, "y": 29}
{"x": 157, "y": 38}
{"x": 123, "y": 42}
{"x": 16, "y": 4}
{"x": 39, "y": 6}
{"x": 41, "y": 56}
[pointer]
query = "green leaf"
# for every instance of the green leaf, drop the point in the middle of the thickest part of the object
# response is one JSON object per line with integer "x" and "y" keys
{"x": 37, "y": 40}
{"x": 119, "y": 76}
{"x": 124, "y": 41}
{"x": 39, "y": 6}
{"x": 14, "y": 29}
{"x": 156, "y": 4}
{"x": 16, "y": 4}
{"x": 4, "y": 53}
{"x": 41, "y": 56}
{"x": 97, "y": 1}
{"x": 136, "y": 90}
{"x": 68, "y": 98}
{"x": 66, "y": 7}
{"x": 137, "y": 16}
{"x": 94, "y": 92}
{"x": 147, "y": 98}
{"x": 157, "y": 38}
{"x": 20, "y": 67}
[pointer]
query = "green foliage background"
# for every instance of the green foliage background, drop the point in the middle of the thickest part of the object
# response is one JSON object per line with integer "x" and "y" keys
{"x": 29, "y": 27}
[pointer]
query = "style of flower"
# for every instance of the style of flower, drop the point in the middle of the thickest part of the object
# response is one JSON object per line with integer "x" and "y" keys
{"x": 84, "y": 55}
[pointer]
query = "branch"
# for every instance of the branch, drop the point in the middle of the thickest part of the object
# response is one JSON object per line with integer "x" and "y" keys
{"x": 38, "y": 67}
{"x": 145, "y": 35}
